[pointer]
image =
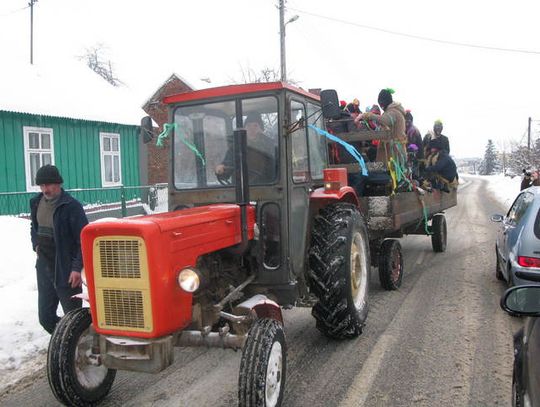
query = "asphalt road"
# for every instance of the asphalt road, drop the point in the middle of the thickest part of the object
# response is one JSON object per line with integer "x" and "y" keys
{"x": 440, "y": 340}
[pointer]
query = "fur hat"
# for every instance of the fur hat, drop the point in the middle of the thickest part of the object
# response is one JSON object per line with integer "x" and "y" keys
{"x": 48, "y": 174}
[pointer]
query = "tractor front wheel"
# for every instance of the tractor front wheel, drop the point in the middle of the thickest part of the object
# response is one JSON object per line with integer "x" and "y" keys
{"x": 74, "y": 379}
{"x": 263, "y": 365}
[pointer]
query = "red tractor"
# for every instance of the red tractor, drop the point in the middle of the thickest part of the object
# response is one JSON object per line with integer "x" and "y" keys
{"x": 258, "y": 222}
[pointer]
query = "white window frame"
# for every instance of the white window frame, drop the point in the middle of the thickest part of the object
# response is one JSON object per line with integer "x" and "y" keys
{"x": 102, "y": 155}
{"x": 27, "y": 150}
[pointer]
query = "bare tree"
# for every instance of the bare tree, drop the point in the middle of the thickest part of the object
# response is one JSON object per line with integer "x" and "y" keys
{"x": 96, "y": 59}
{"x": 250, "y": 75}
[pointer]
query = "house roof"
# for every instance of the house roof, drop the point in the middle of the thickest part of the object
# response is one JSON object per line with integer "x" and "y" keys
{"x": 67, "y": 89}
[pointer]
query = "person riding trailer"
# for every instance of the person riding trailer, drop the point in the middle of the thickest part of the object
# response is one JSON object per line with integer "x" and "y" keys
{"x": 440, "y": 168}
{"x": 393, "y": 118}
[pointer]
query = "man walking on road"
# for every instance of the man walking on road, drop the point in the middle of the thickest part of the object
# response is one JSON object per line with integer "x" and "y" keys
{"x": 57, "y": 222}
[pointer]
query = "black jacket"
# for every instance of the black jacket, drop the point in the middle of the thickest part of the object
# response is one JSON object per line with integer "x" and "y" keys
{"x": 445, "y": 166}
{"x": 68, "y": 221}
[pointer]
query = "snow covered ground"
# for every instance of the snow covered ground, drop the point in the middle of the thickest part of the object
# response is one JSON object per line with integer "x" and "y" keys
{"x": 23, "y": 343}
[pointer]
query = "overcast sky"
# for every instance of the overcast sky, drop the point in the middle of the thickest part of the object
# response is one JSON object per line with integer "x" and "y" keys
{"x": 477, "y": 93}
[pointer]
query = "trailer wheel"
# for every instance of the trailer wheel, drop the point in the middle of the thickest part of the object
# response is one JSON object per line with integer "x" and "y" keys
{"x": 339, "y": 270}
{"x": 438, "y": 238}
{"x": 390, "y": 264}
{"x": 263, "y": 365}
{"x": 73, "y": 380}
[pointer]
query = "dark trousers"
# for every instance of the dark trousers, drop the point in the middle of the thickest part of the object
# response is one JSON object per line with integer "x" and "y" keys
{"x": 49, "y": 296}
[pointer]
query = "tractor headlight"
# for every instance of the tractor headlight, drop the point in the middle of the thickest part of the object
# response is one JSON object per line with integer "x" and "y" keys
{"x": 189, "y": 280}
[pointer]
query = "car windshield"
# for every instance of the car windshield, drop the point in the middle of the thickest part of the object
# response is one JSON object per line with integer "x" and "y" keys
{"x": 203, "y": 142}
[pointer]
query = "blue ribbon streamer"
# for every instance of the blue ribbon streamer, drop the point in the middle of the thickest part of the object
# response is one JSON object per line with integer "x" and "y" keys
{"x": 350, "y": 148}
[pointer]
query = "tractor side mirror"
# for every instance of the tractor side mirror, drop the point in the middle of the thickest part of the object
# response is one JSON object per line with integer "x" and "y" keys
{"x": 147, "y": 130}
{"x": 330, "y": 104}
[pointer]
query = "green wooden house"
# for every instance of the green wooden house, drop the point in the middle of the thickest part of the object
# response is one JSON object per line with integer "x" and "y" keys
{"x": 72, "y": 118}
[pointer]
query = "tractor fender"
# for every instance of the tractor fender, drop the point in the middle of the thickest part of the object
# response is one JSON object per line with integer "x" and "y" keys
{"x": 343, "y": 194}
{"x": 262, "y": 306}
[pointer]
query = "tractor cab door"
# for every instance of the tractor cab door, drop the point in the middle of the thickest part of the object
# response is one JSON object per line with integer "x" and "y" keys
{"x": 306, "y": 158}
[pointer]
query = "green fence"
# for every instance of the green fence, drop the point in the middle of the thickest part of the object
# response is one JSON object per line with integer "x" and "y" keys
{"x": 98, "y": 202}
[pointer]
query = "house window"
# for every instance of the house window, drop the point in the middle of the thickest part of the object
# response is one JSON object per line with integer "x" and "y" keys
{"x": 38, "y": 151}
{"x": 111, "y": 166}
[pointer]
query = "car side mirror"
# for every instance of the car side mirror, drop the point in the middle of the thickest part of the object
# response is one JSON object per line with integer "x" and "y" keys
{"x": 147, "y": 130}
{"x": 522, "y": 300}
{"x": 497, "y": 218}
{"x": 330, "y": 104}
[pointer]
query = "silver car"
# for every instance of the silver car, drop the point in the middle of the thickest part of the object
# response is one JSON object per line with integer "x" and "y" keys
{"x": 518, "y": 240}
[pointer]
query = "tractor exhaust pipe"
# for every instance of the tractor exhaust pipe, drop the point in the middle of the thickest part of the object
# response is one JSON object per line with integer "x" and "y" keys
{"x": 241, "y": 183}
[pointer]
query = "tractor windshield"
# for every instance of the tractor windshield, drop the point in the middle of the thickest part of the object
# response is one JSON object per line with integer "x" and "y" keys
{"x": 203, "y": 142}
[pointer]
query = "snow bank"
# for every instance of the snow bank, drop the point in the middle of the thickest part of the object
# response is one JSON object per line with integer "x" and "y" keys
{"x": 21, "y": 336}
{"x": 504, "y": 189}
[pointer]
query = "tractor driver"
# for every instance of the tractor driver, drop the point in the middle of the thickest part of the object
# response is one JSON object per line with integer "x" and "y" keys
{"x": 261, "y": 154}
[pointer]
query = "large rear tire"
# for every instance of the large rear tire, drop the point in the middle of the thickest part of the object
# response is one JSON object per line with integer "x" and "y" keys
{"x": 390, "y": 264}
{"x": 73, "y": 380}
{"x": 438, "y": 228}
{"x": 263, "y": 365}
{"x": 339, "y": 271}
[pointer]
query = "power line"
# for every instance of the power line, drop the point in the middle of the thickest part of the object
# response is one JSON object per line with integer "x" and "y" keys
{"x": 13, "y": 11}
{"x": 416, "y": 37}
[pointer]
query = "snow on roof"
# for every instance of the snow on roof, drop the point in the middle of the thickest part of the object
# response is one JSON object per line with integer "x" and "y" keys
{"x": 66, "y": 89}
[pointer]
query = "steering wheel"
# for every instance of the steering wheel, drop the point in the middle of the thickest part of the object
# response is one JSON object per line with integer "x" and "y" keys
{"x": 223, "y": 179}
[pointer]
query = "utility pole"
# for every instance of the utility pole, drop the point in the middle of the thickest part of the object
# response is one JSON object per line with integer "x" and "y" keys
{"x": 282, "y": 40}
{"x": 31, "y": 5}
{"x": 282, "y": 25}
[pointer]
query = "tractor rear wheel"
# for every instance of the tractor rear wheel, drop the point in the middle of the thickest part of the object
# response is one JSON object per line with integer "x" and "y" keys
{"x": 73, "y": 380}
{"x": 390, "y": 264}
{"x": 262, "y": 368}
{"x": 339, "y": 271}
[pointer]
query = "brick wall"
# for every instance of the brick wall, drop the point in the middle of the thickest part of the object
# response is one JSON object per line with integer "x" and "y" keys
{"x": 158, "y": 157}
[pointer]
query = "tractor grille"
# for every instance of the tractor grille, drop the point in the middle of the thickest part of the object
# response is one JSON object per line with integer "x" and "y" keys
{"x": 123, "y": 308}
{"x": 122, "y": 284}
{"x": 120, "y": 259}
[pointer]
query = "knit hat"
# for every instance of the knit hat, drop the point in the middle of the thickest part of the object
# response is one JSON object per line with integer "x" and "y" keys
{"x": 438, "y": 122}
{"x": 385, "y": 98}
{"x": 375, "y": 109}
{"x": 48, "y": 174}
{"x": 254, "y": 117}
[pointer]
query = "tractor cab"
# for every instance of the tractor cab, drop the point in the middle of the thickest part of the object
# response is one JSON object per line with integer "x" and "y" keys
{"x": 284, "y": 160}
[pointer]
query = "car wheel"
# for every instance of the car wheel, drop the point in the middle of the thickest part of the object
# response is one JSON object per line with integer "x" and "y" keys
{"x": 517, "y": 394}
{"x": 498, "y": 272}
